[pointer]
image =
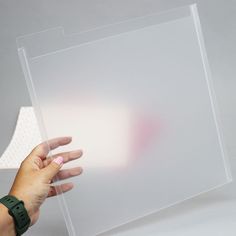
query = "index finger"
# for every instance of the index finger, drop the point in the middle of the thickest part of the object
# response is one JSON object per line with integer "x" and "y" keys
{"x": 43, "y": 148}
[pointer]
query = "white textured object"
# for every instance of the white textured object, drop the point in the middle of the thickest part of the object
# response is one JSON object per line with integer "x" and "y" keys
{"x": 26, "y": 136}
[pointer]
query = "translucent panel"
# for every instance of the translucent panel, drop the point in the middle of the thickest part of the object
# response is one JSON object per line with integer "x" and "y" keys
{"x": 138, "y": 99}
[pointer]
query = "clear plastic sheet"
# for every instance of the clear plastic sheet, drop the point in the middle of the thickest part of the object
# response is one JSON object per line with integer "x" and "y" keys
{"x": 137, "y": 97}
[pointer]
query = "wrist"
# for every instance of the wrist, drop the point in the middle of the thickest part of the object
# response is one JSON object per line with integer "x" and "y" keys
{"x": 7, "y": 226}
{"x": 18, "y": 212}
{"x": 23, "y": 198}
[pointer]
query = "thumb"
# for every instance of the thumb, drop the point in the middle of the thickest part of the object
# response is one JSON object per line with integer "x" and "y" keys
{"x": 50, "y": 171}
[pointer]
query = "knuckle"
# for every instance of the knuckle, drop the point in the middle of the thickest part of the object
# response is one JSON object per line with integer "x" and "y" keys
{"x": 38, "y": 147}
{"x": 23, "y": 163}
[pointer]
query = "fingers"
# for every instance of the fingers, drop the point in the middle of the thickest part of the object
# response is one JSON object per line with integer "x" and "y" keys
{"x": 65, "y": 174}
{"x": 43, "y": 149}
{"x": 50, "y": 171}
{"x": 67, "y": 156}
{"x": 56, "y": 190}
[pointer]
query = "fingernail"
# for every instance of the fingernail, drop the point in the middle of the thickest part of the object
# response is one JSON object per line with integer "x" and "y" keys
{"x": 59, "y": 160}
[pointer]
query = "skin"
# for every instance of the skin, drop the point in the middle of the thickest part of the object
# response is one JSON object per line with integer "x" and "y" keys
{"x": 33, "y": 182}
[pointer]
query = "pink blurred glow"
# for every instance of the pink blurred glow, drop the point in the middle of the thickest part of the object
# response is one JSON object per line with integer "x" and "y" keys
{"x": 145, "y": 130}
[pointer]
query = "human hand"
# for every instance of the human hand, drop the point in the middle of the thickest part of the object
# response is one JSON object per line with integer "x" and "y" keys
{"x": 33, "y": 182}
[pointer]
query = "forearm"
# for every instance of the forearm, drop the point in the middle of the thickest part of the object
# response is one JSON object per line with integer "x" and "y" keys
{"x": 7, "y": 226}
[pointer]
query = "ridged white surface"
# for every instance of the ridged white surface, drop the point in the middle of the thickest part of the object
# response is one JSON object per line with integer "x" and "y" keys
{"x": 26, "y": 136}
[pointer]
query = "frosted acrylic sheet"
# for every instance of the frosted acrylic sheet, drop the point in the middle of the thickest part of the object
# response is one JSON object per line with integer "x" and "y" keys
{"x": 137, "y": 98}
